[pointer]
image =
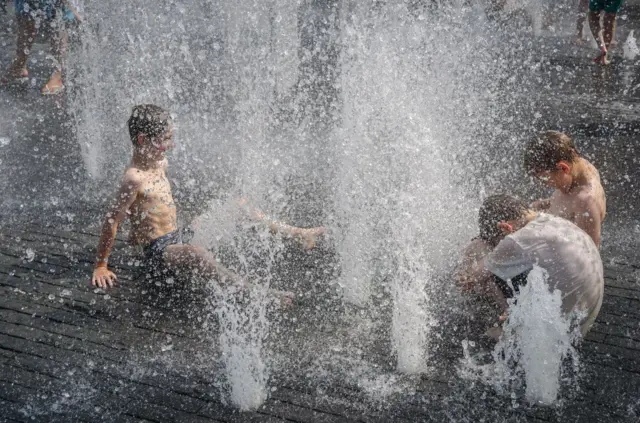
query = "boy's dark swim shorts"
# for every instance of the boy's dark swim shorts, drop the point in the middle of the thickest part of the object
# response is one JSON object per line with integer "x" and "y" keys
{"x": 609, "y": 6}
{"x": 154, "y": 252}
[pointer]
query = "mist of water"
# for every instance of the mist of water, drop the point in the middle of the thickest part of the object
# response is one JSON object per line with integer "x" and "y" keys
{"x": 402, "y": 214}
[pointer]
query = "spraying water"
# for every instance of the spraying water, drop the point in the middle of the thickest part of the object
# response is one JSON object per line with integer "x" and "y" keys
{"x": 536, "y": 339}
{"x": 366, "y": 100}
{"x": 402, "y": 214}
{"x": 630, "y": 48}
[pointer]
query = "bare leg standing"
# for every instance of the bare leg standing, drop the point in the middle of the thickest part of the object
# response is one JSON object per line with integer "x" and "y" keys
{"x": 59, "y": 44}
{"x": 26, "y": 36}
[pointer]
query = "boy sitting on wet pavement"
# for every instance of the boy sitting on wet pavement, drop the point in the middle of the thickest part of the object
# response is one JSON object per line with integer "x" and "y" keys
{"x": 145, "y": 197}
{"x": 579, "y": 197}
{"x": 513, "y": 238}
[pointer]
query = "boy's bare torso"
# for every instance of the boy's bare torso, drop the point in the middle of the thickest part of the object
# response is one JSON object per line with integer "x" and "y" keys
{"x": 587, "y": 196}
{"x": 153, "y": 212}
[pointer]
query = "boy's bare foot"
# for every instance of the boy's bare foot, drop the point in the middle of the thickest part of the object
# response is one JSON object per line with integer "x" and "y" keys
{"x": 54, "y": 85}
{"x": 14, "y": 76}
{"x": 494, "y": 332}
{"x": 308, "y": 237}
{"x": 284, "y": 298}
{"x": 578, "y": 40}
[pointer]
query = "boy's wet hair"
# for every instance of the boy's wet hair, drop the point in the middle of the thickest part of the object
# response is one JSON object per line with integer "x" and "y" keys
{"x": 544, "y": 151}
{"x": 495, "y": 209}
{"x": 149, "y": 120}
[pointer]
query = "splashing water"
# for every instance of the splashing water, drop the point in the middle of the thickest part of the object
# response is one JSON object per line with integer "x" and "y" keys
{"x": 243, "y": 328}
{"x": 630, "y": 48}
{"x": 537, "y": 338}
{"x": 396, "y": 194}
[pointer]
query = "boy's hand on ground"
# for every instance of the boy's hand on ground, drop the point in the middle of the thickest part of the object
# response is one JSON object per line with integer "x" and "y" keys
{"x": 103, "y": 277}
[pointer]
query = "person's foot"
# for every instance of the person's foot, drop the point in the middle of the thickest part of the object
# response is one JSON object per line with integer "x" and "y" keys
{"x": 308, "y": 237}
{"x": 494, "y": 332}
{"x": 54, "y": 85}
{"x": 282, "y": 298}
{"x": 14, "y": 75}
{"x": 602, "y": 58}
{"x": 577, "y": 38}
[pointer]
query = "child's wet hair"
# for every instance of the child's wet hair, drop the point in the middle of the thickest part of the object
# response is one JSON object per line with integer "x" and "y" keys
{"x": 544, "y": 151}
{"x": 495, "y": 209}
{"x": 149, "y": 120}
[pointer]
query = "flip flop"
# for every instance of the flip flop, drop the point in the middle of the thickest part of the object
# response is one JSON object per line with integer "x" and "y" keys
{"x": 48, "y": 91}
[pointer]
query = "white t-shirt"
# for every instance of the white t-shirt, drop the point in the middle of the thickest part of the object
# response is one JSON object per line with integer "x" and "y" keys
{"x": 565, "y": 251}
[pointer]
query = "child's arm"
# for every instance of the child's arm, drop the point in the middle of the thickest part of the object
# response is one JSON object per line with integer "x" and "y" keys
{"x": 471, "y": 271}
{"x": 588, "y": 219}
{"x": 541, "y": 205}
{"x": 102, "y": 277}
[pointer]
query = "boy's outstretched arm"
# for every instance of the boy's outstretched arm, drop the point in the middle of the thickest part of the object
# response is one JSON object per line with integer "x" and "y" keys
{"x": 102, "y": 277}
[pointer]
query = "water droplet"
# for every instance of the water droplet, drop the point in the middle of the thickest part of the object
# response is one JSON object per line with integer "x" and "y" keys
{"x": 30, "y": 255}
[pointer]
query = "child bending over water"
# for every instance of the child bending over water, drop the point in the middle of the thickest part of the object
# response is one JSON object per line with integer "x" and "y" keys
{"x": 513, "y": 238}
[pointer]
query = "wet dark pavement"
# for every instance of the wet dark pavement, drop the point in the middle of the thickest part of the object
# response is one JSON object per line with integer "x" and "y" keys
{"x": 71, "y": 353}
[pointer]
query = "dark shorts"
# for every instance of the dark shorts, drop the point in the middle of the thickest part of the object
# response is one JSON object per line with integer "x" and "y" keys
{"x": 44, "y": 9}
{"x": 154, "y": 252}
{"x": 609, "y": 6}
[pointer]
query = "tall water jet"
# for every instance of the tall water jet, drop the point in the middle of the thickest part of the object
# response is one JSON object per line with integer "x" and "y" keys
{"x": 397, "y": 140}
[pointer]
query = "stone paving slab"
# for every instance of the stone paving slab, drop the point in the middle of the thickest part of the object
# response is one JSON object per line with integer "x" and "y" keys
{"x": 69, "y": 354}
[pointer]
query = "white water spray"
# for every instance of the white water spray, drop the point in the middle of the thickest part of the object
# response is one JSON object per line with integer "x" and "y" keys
{"x": 630, "y": 48}
{"x": 537, "y": 338}
{"x": 402, "y": 214}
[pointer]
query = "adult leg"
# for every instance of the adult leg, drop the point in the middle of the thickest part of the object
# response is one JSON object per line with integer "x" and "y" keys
{"x": 583, "y": 7}
{"x": 596, "y": 30}
{"x": 59, "y": 40}
{"x": 26, "y": 36}
{"x": 609, "y": 28}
